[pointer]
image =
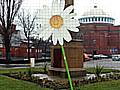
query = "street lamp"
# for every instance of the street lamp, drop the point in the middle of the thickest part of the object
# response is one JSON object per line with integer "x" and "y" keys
{"x": 94, "y": 46}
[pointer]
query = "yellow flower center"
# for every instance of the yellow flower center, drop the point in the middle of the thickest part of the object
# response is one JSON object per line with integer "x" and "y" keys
{"x": 56, "y": 21}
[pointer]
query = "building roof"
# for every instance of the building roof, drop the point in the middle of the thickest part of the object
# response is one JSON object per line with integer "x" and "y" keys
{"x": 95, "y": 11}
{"x": 96, "y": 15}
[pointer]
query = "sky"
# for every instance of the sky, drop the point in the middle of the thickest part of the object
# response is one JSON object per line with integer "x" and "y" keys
{"x": 111, "y": 7}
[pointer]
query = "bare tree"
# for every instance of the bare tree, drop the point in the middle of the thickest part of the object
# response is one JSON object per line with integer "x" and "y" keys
{"x": 8, "y": 10}
{"x": 27, "y": 22}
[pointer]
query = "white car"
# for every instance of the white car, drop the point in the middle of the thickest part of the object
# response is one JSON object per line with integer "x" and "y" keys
{"x": 116, "y": 57}
{"x": 100, "y": 56}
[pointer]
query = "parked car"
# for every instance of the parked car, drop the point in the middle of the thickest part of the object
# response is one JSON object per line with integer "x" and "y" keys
{"x": 99, "y": 56}
{"x": 86, "y": 57}
{"x": 116, "y": 57}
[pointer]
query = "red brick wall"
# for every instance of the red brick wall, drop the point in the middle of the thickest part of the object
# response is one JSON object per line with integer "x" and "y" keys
{"x": 100, "y": 38}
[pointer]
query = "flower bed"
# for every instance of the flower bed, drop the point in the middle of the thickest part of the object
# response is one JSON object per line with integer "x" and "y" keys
{"x": 63, "y": 84}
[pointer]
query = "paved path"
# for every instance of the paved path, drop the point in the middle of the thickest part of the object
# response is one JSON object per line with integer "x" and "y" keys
{"x": 107, "y": 63}
{"x": 12, "y": 66}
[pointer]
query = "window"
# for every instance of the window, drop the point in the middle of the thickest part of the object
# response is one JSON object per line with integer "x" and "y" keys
{"x": 92, "y": 19}
{"x": 83, "y": 20}
{"x": 98, "y": 18}
{"x": 95, "y": 18}
{"x": 102, "y": 19}
{"x": 89, "y": 19}
{"x": 110, "y": 20}
{"x": 107, "y": 19}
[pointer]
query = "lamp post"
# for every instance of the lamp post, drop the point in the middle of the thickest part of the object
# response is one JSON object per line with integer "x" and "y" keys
{"x": 94, "y": 44}
{"x": 46, "y": 47}
{"x": 94, "y": 48}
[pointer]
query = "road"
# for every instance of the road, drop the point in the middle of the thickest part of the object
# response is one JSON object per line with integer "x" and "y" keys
{"x": 107, "y": 63}
{"x": 12, "y": 66}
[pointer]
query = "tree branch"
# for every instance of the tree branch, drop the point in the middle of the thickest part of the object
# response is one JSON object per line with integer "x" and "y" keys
{"x": 26, "y": 23}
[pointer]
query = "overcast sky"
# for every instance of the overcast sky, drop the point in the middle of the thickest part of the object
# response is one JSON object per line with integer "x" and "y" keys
{"x": 112, "y": 7}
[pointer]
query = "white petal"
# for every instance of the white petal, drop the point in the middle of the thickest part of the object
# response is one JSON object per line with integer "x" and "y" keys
{"x": 60, "y": 38}
{"x": 67, "y": 11}
{"x": 54, "y": 38}
{"x": 43, "y": 21}
{"x": 45, "y": 12}
{"x": 71, "y": 23}
{"x": 66, "y": 34}
{"x": 43, "y": 28}
{"x": 73, "y": 29}
{"x": 70, "y": 16}
{"x": 47, "y": 34}
{"x": 55, "y": 7}
{"x": 62, "y": 5}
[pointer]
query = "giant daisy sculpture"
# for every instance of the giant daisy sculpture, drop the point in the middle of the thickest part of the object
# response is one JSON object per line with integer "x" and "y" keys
{"x": 57, "y": 22}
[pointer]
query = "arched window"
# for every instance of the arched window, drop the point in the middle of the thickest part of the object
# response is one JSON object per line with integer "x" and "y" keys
{"x": 95, "y": 18}
{"x": 89, "y": 19}
{"x": 80, "y": 20}
{"x": 86, "y": 19}
{"x": 98, "y": 18}
{"x": 102, "y": 19}
{"x": 83, "y": 19}
{"x": 92, "y": 18}
{"x": 107, "y": 19}
{"x": 110, "y": 19}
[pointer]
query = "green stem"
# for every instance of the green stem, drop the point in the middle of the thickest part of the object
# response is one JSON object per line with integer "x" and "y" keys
{"x": 67, "y": 69}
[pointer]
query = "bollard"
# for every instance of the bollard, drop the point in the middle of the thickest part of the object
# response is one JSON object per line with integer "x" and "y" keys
{"x": 32, "y": 62}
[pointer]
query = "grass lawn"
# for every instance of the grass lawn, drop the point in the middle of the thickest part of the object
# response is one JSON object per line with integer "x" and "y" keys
{"x": 89, "y": 70}
{"x": 20, "y": 70}
{"x": 92, "y": 70}
{"x": 7, "y": 83}
{"x": 108, "y": 85}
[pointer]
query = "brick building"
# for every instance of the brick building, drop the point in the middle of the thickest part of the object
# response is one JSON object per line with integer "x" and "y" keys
{"x": 99, "y": 33}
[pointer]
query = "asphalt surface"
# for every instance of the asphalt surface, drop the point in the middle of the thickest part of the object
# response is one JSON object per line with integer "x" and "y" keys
{"x": 12, "y": 66}
{"x": 107, "y": 63}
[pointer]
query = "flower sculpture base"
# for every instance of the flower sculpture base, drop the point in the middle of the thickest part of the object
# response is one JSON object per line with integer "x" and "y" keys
{"x": 74, "y": 54}
{"x": 61, "y": 72}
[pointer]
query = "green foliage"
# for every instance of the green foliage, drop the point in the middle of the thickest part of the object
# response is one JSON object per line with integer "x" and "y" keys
{"x": 7, "y": 83}
{"x": 45, "y": 68}
{"x": 98, "y": 70}
{"x": 25, "y": 74}
{"x": 16, "y": 70}
{"x": 92, "y": 70}
{"x": 107, "y": 85}
{"x": 29, "y": 73}
{"x": 78, "y": 85}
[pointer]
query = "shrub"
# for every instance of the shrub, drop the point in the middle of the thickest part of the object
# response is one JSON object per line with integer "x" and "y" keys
{"x": 29, "y": 73}
{"x": 98, "y": 70}
{"x": 45, "y": 68}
